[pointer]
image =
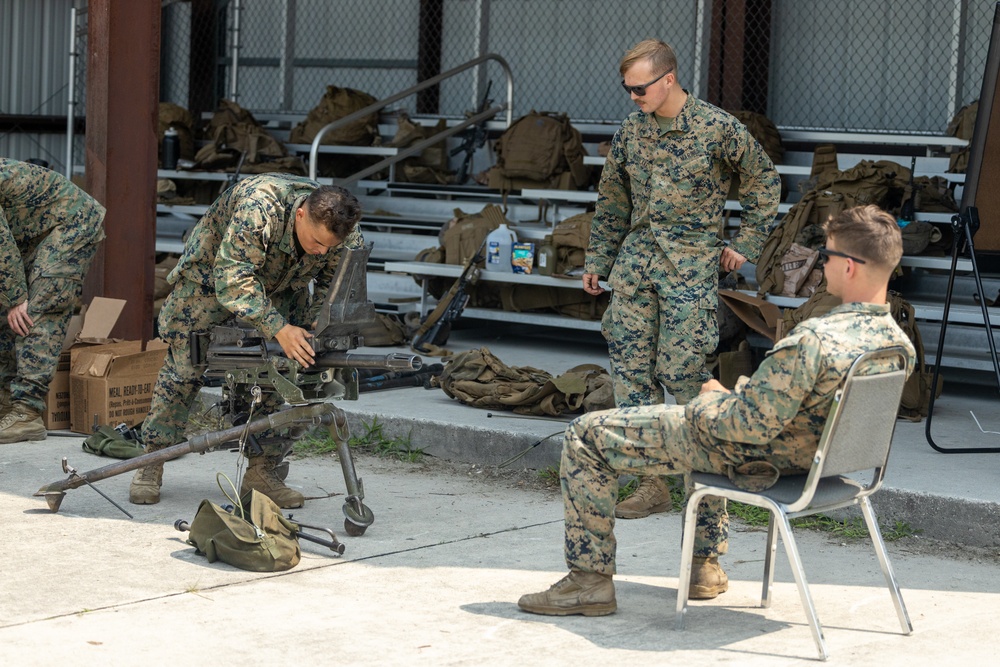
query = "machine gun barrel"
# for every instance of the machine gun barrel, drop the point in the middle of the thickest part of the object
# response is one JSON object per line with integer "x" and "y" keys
{"x": 395, "y": 361}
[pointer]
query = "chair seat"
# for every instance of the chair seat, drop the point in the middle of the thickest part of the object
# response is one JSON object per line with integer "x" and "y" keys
{"x": 832, "y": 491}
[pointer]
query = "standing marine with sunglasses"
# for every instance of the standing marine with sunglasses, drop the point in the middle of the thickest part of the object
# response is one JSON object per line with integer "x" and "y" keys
{"x": 655, "y": 237}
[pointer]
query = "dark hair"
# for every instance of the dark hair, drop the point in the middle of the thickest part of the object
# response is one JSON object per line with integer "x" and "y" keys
{"x": 335, "y": 208}
{"x": 867, "y": 232}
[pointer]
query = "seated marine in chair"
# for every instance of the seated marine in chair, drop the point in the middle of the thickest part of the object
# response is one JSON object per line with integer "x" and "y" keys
{"x": 770, "y": 424}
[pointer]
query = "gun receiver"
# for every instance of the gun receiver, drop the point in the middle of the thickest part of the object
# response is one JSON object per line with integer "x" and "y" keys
{"x": 242, "y": 356}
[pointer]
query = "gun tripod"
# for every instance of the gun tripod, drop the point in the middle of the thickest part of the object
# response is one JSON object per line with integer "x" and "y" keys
{"x": 964, "y": 225}
{"x": 357, "y": 515}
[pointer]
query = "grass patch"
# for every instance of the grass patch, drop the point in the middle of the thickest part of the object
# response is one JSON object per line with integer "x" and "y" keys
{"x": 375, "y": 441}
{"x": 850, "y": 529}
{"x": 550, "y": 475}
{"x": 372, "y": 441}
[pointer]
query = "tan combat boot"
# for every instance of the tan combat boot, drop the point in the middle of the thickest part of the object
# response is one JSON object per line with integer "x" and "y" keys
{"x": 707, "y": 579}
{"x": 4, "y": 400}
{"x": 21, "y": 423}
{"x": 652, "y": 495}
{"x": 262, "y": 476}
{"x": 145, "y": 486}
{"x": 587, "y": 593}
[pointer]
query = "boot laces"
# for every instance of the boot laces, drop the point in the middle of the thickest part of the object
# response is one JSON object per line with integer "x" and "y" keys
{"x": 149, "y": 475}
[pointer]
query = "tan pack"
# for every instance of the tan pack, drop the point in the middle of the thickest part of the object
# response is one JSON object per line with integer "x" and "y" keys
{"x": 540, "y": 150}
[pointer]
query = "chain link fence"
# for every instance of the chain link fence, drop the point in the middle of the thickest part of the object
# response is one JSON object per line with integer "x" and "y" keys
{"x": 864, "y": 65}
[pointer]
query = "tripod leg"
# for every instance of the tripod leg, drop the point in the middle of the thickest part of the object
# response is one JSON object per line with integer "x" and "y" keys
{"x": 964, "y": 226}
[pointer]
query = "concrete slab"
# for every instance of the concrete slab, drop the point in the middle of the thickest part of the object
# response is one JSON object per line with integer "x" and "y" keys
{"x": 435, "y": 579}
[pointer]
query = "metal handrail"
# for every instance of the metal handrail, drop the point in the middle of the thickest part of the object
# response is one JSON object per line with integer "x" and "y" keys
{"x": 421, "y": 145}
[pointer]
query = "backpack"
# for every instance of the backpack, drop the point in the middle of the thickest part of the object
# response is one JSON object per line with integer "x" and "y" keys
{"x": 431, "y": 164}
{"x": 866, "y": 183}
{"x": 917, "y": 390}
{"x": 478, "y": 378}
{"x": 337, "y": 103}
{"x": 962, "y": 126}
{"x": 570, "y": 238}
{"x": 263, "y": 542}
{"x": 540, "y": 150}
{"x": 235, "y": 133}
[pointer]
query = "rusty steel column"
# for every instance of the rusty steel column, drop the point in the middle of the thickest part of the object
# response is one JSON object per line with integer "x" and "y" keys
{"x": 123, "y": 72}
{"x": 739, "y": 53}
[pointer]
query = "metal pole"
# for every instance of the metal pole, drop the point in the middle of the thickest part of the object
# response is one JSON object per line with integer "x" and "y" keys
{"x": 287, "y": 73}
{"x": 235, "y": 53}
{"x": 71, "y": 106}
{"x": 482, "y": 48}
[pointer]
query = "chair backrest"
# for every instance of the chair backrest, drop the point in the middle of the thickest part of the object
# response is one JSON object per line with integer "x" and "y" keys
{"x": 862, "y": 420}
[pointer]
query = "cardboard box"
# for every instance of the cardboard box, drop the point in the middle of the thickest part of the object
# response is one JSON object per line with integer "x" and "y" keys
{"x": 762, "y": 316}
{"x": 91, "y": 327}
{"x": 113, "y": 384}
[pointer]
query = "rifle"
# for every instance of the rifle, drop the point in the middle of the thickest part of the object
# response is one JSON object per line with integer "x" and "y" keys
{"x": 472, "y": 139}
{"x": 436, "y": 327}
{"x": 908, "y": 209}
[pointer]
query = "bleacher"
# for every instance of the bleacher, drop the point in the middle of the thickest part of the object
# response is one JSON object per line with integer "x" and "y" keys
{"x": 404, "y": 218}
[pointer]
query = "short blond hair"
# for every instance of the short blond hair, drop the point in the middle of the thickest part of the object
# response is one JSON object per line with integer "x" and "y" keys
{"x": 659, "y": 54}
{"x": 867, "y": 232}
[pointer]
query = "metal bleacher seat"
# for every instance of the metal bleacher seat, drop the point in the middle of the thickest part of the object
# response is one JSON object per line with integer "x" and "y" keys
{"x": 855, "y": 444}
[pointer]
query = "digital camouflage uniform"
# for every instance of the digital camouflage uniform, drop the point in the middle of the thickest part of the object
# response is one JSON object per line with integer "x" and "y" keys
{"x": 49, "y": 231}
{"x": 655, "y": 238}
{"x": 776, "y": 416}
{"x": 240, "y": 260}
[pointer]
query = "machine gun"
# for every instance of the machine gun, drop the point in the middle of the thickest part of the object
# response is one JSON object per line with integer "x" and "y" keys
{"x": 473, "y": 139}
{"x": 252, "y": 366}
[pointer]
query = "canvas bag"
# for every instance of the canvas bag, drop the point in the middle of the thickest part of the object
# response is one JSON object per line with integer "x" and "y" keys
{"x": 234, "y": 132}
{"x": 266, "y": 542}
{"x": 866, "y": 183}
{"x": 541, "y": 149}
{"x": 335, "y": 104}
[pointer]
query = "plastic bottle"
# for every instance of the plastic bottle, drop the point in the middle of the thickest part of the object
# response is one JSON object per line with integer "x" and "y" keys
{"x": 499, "y": 246}
{"x": 171, "y": 148}
{"x": 547, "y": 257}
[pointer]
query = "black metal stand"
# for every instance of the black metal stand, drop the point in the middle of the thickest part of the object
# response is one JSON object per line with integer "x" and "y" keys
{"x": 965, "y": 225}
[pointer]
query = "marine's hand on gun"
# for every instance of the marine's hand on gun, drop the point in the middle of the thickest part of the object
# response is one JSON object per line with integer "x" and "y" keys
{"x": 295, "y": 344}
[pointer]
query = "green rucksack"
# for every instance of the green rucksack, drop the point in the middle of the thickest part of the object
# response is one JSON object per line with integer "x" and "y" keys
{"x": 236, "y": 134}
{"x": 265, "y": 541}
{"x": 540, "y": 150}
{"x": 337, "y": 103}
{"x": 962, "y": 126}
{"x": 866, "y": 183}
{"x": 570, "y": 238}
{"x": 917, "y": 390}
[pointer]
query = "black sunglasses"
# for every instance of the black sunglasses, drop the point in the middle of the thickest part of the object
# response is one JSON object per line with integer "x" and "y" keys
{"x": 826, "y": 252}
{"x": 641, "y": 90}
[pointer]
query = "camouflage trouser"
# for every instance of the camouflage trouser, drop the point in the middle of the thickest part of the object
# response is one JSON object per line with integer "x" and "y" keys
{"x": 55, "y": 282}
{"x": 190, "y": 307}
{"x": 649, "y": 440}
{"x": 659, "y": 337}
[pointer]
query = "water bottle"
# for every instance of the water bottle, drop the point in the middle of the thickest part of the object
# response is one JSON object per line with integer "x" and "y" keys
{"x": 499, "y": 247}
{"x": 171, "y": 148}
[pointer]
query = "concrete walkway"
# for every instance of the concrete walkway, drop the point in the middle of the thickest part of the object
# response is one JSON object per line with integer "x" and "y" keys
{"x": 435, "y": 580}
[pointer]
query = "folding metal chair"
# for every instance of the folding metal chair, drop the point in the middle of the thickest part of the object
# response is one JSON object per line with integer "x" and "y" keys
{"x": 856, "y": 439}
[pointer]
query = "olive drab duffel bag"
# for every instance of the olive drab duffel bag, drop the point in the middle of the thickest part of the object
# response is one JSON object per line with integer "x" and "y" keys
{"x": 264, "y": 541}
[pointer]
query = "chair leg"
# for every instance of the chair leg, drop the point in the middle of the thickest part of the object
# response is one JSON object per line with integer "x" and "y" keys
{"x": 687, "y": 555}
{"x": 772, "y": 547}
{"x": 792, "y": 550}
{"x": 883, "y": 559}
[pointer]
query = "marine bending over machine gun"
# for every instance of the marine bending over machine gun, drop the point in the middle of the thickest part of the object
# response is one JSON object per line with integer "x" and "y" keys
{"x": 252, "y": 368}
